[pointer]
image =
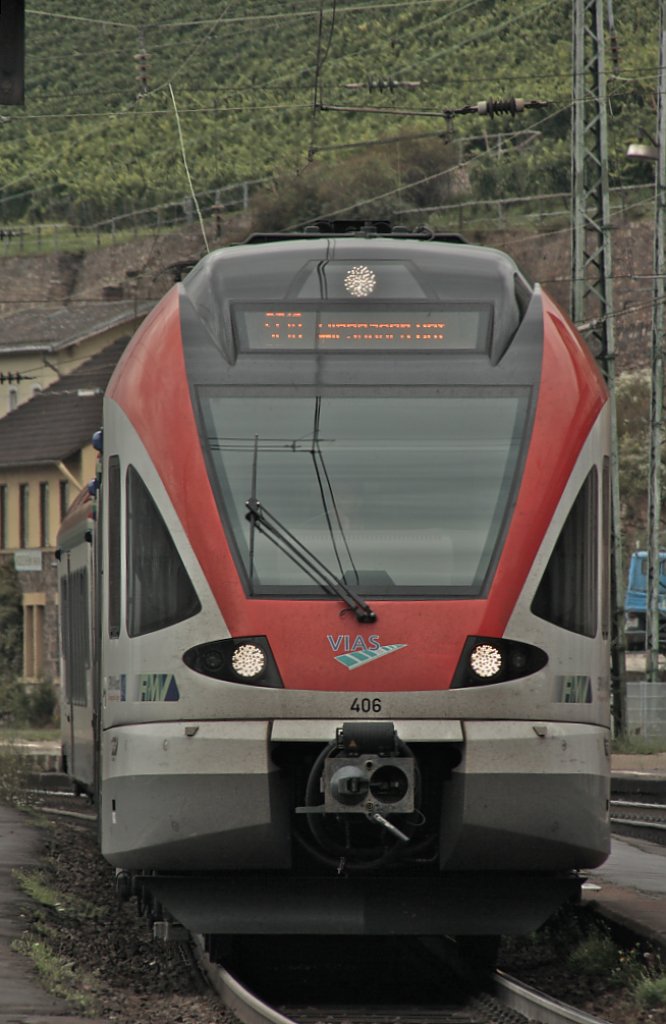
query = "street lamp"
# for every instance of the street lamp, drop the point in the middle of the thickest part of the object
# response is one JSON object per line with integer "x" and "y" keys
{"x": 641, "y": 151}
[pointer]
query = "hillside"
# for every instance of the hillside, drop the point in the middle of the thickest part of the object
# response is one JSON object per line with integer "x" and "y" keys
{"x": 119, "y": 95}
{"x": 116, "y": 95}
{"x": 145, "y": 268}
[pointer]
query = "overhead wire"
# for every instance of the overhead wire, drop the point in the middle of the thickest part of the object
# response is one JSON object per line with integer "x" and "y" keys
{"x": 453, "y": 3}
{"x": 215, "y": 22}
{"x": 187, "y": 169}
{"x": 452, "y": 9}
{"x": 250, "y": 18}
{"x": 248, "y": 87}
{"x": 320, "y": 60}
{"x": 179, "y": 126}
{"x": 278, "y": 84}
{"x": 329, "y": 215}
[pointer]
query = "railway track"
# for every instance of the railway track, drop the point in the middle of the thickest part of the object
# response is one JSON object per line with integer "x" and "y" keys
{"x": 639, "y": 817}
{"x": 503, "y": 1000}
{"x": 53, "y": 793}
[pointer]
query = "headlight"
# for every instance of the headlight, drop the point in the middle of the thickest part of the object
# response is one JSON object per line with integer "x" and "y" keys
{"x": 237, "y": 659}
{"x": 248, "y": 661}
{"x": 486, "y": 661}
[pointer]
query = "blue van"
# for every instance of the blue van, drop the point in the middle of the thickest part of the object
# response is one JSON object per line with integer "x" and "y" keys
{"x": 635, "y": 601}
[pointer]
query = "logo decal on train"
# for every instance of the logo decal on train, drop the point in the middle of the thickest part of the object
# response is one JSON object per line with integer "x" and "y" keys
{"x": 574, "y": 689}
{"x": 158, "y": 686}
{"x": 357, "y": 651}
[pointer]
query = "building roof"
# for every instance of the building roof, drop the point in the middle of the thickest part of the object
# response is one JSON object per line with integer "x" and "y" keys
{"x": 59, "y": 421}
{"x": 48, "y": 330}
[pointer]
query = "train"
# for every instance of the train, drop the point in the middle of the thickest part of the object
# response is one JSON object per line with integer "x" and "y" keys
{"x": 335, "y": 613}
{"x": 636, "y": 601}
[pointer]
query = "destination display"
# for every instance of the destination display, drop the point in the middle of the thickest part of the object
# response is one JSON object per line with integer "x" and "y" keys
{"x": 293, "y": 328}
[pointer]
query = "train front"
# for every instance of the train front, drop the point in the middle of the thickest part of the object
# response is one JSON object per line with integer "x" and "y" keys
{"x": 355, "y": 627}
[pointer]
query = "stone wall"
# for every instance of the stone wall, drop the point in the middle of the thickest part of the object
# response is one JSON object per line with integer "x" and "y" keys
{"x": 146, "y": 268}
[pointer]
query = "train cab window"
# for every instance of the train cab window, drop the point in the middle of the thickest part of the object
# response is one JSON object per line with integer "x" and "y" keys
{"x": 114, "y": 546}
{"x": 159, "y": 591}
{"x": 567, "y": 594}
{"x": 401, "y": 494}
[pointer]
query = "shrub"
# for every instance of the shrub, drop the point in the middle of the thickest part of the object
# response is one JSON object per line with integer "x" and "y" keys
{"x": 32, "y": 705}
{"x": 596, "y": 956}
{"x": 11, "y": 621}
{"x": 41, "y": 704}
{"x": 651, "y": 992}
{"x": 322, "y": 189}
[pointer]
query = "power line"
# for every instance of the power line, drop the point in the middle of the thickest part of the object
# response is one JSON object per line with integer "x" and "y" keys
{"x": 331, "y": 215}
{"x": 187, "y": 169}
{"x": 249, "y": 18}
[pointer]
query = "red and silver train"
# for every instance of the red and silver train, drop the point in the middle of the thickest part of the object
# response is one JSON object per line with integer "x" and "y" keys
{"x": 348, "y": 659}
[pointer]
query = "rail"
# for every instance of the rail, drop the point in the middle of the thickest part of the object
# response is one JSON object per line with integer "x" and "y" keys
{"x": 636, "y": 817}
{"x": 536, "y": 1006}
{"x": 506, "y": 992}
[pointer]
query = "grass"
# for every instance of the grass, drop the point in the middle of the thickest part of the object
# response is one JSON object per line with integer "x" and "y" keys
{"x": 14, "y": 770}
{"x": 651, "y": 992}
{"x": 33, "y": 734}
{"x": 595, "y": 956}
{"x": 639, "y": 972}
{"x": 638, "y": 745}
{"x": 58, "y": 975}
{"x": 35, "y": 886}
{"x": 16, "y": 765}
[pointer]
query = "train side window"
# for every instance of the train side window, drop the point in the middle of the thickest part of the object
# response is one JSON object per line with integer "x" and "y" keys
{"x": 567, "y": 594}
{"x": 75, "y": 635}
{"x": 64, "y": 635}
{"x": 114, "y": 546}
{"x": 159, "y": 591}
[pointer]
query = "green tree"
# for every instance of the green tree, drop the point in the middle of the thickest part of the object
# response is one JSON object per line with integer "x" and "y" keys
{"x": 397, "y": 175}
{"x": 12, "y": 698}
{"x": 11, "y": 621}
{"x": 633, "y": 418}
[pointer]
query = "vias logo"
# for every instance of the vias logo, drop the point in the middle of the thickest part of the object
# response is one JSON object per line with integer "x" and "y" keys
{"x": 358, "y": 651}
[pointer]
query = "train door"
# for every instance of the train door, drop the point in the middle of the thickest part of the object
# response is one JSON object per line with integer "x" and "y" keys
{"x": 78, "y": 710}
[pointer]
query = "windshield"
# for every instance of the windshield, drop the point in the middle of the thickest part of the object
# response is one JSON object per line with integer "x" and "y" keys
{"x": 395, "y": 494}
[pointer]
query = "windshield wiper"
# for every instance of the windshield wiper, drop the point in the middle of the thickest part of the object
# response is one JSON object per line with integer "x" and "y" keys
{"x": 265, "y": 522}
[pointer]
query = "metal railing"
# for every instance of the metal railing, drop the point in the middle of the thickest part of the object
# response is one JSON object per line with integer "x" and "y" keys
{"x": 21, "y": 240}
{"x": 546, "y": 210}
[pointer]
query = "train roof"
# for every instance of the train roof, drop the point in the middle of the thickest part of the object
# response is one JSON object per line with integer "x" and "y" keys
{"x": 309, "y": 266}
